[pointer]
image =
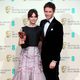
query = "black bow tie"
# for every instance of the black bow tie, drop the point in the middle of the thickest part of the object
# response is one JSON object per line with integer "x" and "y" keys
{"x": 47, "y": 21}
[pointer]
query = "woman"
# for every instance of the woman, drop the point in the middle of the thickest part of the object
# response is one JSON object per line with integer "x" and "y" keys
{"x": 30, "y": 66}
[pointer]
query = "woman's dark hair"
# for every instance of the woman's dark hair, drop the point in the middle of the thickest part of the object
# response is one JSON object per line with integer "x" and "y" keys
{"x": 31, "y": 11}
{"x": 50, "y": 5}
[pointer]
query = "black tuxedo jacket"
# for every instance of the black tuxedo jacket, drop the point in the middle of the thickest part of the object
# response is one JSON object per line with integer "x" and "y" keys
{"x": 53, "y": 41}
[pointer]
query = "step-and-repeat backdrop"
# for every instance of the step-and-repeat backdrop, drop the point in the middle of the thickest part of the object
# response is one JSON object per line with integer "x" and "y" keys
{"x": 13, "y": 15}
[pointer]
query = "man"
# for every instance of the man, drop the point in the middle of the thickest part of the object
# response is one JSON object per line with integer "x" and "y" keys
{"x": 52, "y": 43}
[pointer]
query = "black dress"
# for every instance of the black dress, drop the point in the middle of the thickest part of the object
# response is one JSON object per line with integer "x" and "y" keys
{"x": 33, "y": 36}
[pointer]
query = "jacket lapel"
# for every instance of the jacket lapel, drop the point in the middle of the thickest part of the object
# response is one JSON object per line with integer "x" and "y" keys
{"x": 50, "y": 26}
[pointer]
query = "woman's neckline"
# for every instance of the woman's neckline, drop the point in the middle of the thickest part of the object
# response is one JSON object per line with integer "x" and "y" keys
{"x": 29, "y": 26}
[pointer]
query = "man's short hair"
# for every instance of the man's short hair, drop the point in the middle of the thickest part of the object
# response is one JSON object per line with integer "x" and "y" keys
{"x": 50, "y": 5}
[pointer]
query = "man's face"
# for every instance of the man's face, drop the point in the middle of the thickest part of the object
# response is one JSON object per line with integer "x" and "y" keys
{"x": 48, "y": 13}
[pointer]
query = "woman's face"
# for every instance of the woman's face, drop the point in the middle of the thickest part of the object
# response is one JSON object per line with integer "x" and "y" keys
{"x": 33, "y": 19}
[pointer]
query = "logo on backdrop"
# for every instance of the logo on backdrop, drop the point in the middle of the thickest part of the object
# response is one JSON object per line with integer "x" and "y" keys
{"x": 25, "y": 21}
{"x": 63, "y": 69}
{"x": 8, "y": 34}
{"x": 7, "y": 9}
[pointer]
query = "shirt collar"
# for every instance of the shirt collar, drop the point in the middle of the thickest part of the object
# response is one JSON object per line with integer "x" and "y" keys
{"x": 50, "y": 20}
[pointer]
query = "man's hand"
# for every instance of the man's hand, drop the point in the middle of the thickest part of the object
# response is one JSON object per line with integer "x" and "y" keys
{"x": 52, "y": 64}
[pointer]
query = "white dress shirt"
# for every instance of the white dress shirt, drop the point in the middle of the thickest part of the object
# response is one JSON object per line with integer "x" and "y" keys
{"x": 47, "y": 25}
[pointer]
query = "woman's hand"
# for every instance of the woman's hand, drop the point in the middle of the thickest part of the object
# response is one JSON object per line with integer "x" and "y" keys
{"x": 21, "y": 41}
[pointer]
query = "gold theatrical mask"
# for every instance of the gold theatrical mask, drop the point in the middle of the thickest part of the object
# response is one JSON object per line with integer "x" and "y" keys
{"x": 7, "y": 9}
